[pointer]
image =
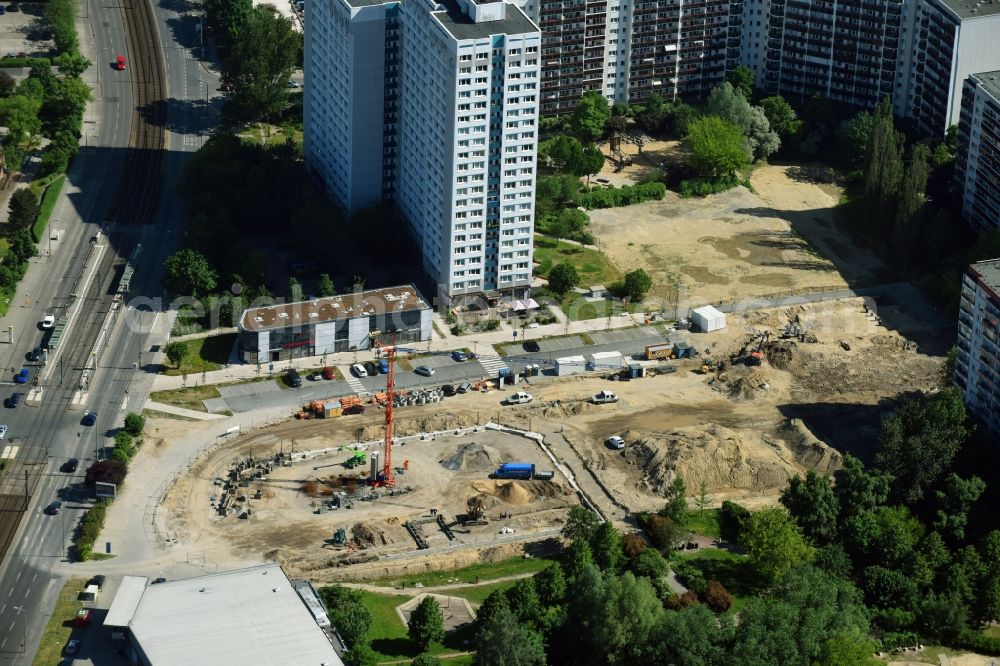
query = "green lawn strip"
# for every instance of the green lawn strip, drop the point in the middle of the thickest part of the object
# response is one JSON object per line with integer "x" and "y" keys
{"x": 4, "y": 247}
{"x": 730, "y": 569}
{"x": 49, "y": 196}
{"x": 204, "y": 354}
{"x": 578, "y": 308}
{"x": 484, "y": 572}
{"x": 388, "y": 634}
{"x": 706, "y": 524}
{"x": 189, "y": 398}
{"x": 60, "y": 627}
{"x": 478, "y": 593}
{"x": 592, "y": 266}
{"x": 992, "y": 632}
{"x": 156, "y": 414}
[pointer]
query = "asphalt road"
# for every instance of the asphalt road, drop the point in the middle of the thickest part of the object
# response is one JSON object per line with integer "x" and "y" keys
{"x": 51, "y": 433}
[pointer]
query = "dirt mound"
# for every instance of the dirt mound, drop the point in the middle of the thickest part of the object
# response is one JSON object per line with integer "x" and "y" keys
{"x": 367, "y": 535}
{"x": 575, "y": 408}
{"x": 747, "y": 387}
{"x": 474, "y": 456}
{"x": 779, "y": 354}
{"x": 517, "y": 493}
{"x": 725, "y": 458}
{"x": 403, "y": 427}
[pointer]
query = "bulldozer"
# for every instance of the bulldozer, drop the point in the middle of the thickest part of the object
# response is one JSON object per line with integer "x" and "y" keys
{"x": 707, "y": 366}
{"x": 357, "y": 460}
{"x": 475, "y": 513}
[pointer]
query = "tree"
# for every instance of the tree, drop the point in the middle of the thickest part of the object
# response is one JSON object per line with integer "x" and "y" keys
{"x": 425, "y": 660}
{"x": 23, "y": 209}
{"x": 652, "y": 565}
{"x": 676, "y": 507}
{"x": 134, "y": 423}
{"x": 716, "y": 146}
{"x": 7, "y": 84}
{"x": 849, "y": 649}
{"x": 348, "y": 614}
{"x": 294, "y": 289}
{"x": 502, "y": 641}
{"x": 325, "y": 287}
{"x": 663, "y": 532}
{"x": 577, "y": 559}
{"x": 653, "y": 115}
{"x": 361, "y": 654}
{"x": 591, "y": 162}
{"x": 780, "y": 115}
{"x": 589, "y": 116}
{"x": 632, "y": 545}
{"x": 570, "y": 223}
{"x": 260, "y": 62}
{"x": 884, "y": 170}
{"x": 581, "y": 523}
{"x": 942, "y": 617}
{"x": 859, "y": 490}
{"x": 426, "y": 623}
{"x": 718, "y": 597}
{"x": 551, "y": 585}
{"x": 21, "y": 115}
{"x": 176, "y": 352}
{"x": 774, "y": 543}
{"x": 701, "y": 500}
{"x": 855, "y": 135}
{"x": 742, "y": 79}
{"x": 732, "y": 518}
{"x": 566, "y": 152}
{"x": 919, "y": 441}
{"x": 71, "y": 64}
{"x": 523, "y": 602}
{"x": 813, "y": 504}
{"x": 637, "y": 284}
{"x": 491, "y": 606}
{"x": 187, "y": 272}
{"x": 953, "y": 503}
{"x": 762, "y": 141}
{"x": 606, "y": 545}
{"x": 563, "y": 277}
{"x": 910, "y": 200}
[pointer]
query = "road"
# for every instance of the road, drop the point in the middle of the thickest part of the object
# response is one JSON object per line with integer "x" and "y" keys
{"x": 51, "y": 433}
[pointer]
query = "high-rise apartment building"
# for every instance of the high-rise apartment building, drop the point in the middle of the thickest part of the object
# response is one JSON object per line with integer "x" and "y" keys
{"x": 432, "y": 105}
{"x": 977, "y": 165}
{"x": 977, "y": 358}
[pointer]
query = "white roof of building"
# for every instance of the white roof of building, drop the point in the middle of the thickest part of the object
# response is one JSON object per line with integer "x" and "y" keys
{"x": 126, "y": 601}
{"x": 250, "y": 616}
{"x": 708, "y": 311}
{"x": 571, "y": 360}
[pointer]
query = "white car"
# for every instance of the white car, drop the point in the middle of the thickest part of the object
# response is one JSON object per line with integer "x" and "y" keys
{"x": 359, "y": 370}
{"x": 615, "y": 442}
{"x": 519, "y": 398}
{"x": 3, "y": 431}
{"x": 604, "y": 398}
{"x": 48, "y": 321}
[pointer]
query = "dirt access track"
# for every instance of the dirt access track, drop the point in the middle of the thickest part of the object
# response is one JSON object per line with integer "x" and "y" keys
{"x": 742, "y": 432}
{"x": 737, "y": 245}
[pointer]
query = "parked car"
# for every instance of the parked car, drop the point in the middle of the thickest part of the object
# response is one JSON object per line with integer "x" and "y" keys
{"x": 48, "y": 321}
{"x": 158, "y": 581}
{"x": 314, "y": 377}
{"x": 98, "y": 580}
{"x": 604, "y": 398}
{"x": 458, "y": 356}
{"x": 54, "y": 508}
{"x": 22, "y": 377}
{"x": 519, "y": 398}
{"x": 448, "y": 390}
{"x": 371, "y": 367}
{"x": 292, "y": 83}
{"x": 615, "y": 442}
{"x": 327, "y": 373}
{"x": 72, "y": 646}
{"x": 464, "y": 387}
{"x": 292, "y": 378}
{"x": 424, "y": 371}
{"x": 89, "y": 419}
{"x": 120, "y": 63}
{"x": 530, "y": 346}
{"x": 71, "y": 465}
{"x": 3, "y": 431}
{"x": 358, "y": 370}
{"x": 35, "y": 355}
{"x": 13, "y": 401}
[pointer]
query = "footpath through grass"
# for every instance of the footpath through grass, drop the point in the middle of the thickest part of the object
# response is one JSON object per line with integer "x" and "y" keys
{"x": 60, "y": 627}
{"x": 485, "y": 572}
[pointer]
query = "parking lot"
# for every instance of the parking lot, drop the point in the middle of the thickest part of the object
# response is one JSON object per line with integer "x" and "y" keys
{"x": 22, "y": 31}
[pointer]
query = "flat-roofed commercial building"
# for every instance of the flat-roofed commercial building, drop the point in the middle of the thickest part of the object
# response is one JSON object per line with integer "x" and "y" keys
{"x": 333, "y": 324}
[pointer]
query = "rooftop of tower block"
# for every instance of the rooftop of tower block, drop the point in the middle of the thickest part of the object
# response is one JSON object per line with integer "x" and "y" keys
{"x": 461, "y": 26}
{"x": 968, "y": 9}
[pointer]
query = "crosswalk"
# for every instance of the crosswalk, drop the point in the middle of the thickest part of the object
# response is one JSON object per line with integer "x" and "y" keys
{"x": 354, "y": 382}
{"x": 492, "y": 364}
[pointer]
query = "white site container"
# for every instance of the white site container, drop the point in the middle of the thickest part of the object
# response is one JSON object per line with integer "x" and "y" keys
{"x": 570, "y": 365}
{"x": 708, "y": 319}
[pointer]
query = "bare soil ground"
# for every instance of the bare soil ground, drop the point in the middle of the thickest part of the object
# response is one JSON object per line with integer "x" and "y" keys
{"x": 736, "y": 245}
{"x": 742, "y": 431}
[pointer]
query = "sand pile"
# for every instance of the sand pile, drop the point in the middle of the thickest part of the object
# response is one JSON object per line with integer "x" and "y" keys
{"x": 516, "y": 493}
{"x": 575, "y": 408}
{"x": 725, "y": 458}
{"x": 747, "y": 387}
{"x": 367, "y": 535}
{"x": 414, "y": 426}
{"x": 474, "y": 456}
{"x": 809, "y": 451}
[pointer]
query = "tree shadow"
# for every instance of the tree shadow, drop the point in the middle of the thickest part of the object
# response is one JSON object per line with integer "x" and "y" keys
{"x": 402, "y": 647}
{"x": 737, "y": 576}
{"x": 847, "y": 427}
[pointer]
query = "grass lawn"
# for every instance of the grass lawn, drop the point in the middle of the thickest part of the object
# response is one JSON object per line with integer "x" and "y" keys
{"x": 388, "y": 634}
{"x": 577, "y": 308}
{"x": 273, "y": 135}
{"x": 484, "y": 571}
{"x": 593, "y": 266}
{"x": 60, "y": 627}
{"x": 49, "y": 196}
{"x": 730, "y": 569}
{"x": 992, "y": 632}
{"x": 478, "y": 593}
{"x": 204, "y": 354}
{"x": 156, "y": 414}
{"x": 189, "y": 398}
{"x": 706, "y": 524}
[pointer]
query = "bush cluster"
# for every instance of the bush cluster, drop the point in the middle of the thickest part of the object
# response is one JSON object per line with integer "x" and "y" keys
{"x": 702, "y": 187}
{"x": 623, "y": 196}
{"x": 90, "y": 529}
{"x": 60, "y": 15}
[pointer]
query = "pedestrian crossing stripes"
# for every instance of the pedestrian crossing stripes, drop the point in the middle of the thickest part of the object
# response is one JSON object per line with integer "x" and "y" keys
{"x": 355, "y": 384}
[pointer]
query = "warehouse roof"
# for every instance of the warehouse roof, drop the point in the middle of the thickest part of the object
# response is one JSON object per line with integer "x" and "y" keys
{"x": 348, "y": 306}
{"x": 461, "y": 26}
{"x": 126, "y": 601}
{"x": 249, "y": 616}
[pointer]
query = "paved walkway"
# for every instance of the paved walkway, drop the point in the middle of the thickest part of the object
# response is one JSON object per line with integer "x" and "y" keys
{"x": 414, "y": 591}
{"x": 180, "y": 411}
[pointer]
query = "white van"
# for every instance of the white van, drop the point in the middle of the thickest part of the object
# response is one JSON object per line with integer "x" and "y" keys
{"x": 359, "y": 370}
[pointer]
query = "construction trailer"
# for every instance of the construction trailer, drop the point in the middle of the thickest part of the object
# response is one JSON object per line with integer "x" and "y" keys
{"x": 659, "y": 351}
{"x": 570, "y": 365}
{"x": 606, "y": 360}
{"x": 708, "y": 319}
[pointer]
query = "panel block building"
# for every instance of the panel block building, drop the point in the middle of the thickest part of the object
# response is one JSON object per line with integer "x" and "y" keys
{"x": 977, "y": 165}
{"x": 433, "y": 106}
{"x": 977, "y": 358}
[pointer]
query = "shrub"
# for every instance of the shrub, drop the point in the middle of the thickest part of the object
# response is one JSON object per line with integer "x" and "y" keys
{"x": 105, "y": 471}
{"x": 702, "y": 187}
{"x": 90, "y": 529}
{"x": 717, "y": 597}
{"x": 134, "y": 423}
{"x": 732, "y": 516}
{"x": 690, "y": 576}
{"x": 624, "y": 196}
{"x": 677, "y": 602}
{"x": 632, "y": 545}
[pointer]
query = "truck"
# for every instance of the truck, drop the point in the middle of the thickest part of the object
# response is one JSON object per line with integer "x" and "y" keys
{"x": 604, "y": 398}
{"x": 519, "y": 398}
{"x": 514, "y": 470}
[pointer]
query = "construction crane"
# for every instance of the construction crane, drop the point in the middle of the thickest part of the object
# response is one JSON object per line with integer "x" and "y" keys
{"x": 387, "y": 478}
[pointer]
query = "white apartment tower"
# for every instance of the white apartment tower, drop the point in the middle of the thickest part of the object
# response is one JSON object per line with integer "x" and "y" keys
{"x": 977, "y": 355}
{"x": 433, "y": 105}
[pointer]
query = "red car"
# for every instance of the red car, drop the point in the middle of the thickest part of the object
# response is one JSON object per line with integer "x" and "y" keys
{"x": 120, "y": 63}
{"x": 328, "y": 373}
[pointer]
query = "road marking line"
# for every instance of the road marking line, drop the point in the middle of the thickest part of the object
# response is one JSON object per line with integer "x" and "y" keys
{"x": 34, "y": 577}
{"x": 27, "y": 592}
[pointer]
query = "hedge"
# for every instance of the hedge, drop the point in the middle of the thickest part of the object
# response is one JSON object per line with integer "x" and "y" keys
{"x": 48, "y": 202}
{"x": 90, "y": 528}
{"x": 702, "y": 187}
{"x": 25, "y": 62}
{"x": 623, "y": 196}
